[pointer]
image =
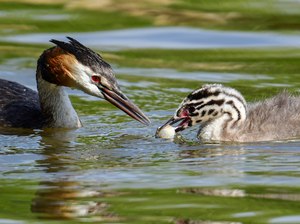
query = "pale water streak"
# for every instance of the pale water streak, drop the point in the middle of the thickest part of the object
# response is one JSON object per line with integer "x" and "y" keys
{"x": 166, "y": 37}
{"x": 196, "y": 76}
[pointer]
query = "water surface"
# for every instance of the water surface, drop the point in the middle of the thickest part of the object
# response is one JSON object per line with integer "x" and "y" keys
{"x": 113, "y": 170}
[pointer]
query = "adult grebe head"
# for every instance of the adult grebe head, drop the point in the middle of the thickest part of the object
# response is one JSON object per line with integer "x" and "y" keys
{"x": 73, "y": 65}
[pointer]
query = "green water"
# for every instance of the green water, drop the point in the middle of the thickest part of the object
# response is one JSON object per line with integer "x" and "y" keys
{"x": 113, "y": 170}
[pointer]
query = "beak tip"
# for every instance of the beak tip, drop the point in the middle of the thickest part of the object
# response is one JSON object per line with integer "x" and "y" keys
{"x": 146, "y": 121}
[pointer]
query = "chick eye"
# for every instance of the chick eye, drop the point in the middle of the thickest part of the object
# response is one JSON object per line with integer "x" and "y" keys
{"x": 96, "y": 79}
{"x": 191, "y": 109}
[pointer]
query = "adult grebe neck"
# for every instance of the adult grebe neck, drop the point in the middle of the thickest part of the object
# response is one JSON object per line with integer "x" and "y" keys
{"x": 56, "y": 105}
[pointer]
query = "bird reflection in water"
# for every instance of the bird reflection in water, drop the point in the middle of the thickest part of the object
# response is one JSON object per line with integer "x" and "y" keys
{"x": 62, "y": 197}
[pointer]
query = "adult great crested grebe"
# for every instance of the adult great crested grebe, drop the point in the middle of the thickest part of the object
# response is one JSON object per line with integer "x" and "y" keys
{"x": 224, "y": 115}
{"x": 69, "y": 64}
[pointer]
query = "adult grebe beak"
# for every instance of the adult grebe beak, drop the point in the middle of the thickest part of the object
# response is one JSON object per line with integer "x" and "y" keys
{"x": 118, "y": 99}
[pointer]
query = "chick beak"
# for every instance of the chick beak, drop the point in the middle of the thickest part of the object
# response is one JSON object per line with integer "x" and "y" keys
{"x": 181, "y": 126}
{"x": 118, "y": 99}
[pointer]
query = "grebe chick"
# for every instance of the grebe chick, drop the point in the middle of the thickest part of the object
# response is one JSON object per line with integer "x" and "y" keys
{"x": 224, "y": 115}
{"x": 68, "y": 64}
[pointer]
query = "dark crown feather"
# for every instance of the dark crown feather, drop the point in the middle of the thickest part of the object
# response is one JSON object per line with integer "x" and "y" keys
{"x": 83, "y": 54}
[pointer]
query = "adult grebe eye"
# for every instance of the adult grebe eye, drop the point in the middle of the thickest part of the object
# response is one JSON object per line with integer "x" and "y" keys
{"x": 96, "y": 79}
